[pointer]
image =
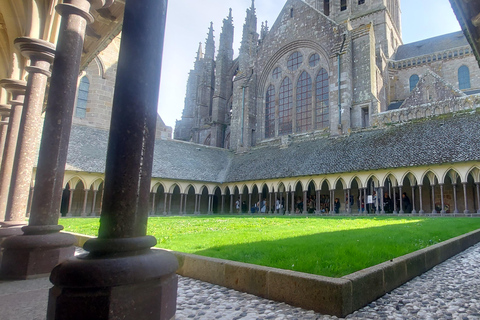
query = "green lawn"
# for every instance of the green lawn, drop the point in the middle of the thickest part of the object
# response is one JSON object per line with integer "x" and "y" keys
{"x": 329, "y": 246}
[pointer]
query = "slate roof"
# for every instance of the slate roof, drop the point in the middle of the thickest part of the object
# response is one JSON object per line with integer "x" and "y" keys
{"x": 444, "y": 139}
{"x": 431, "y": 45}
{"x": 172, "y": 160}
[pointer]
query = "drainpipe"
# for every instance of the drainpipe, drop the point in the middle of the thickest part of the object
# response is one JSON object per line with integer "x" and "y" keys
{"x": 243, "y": 114}
{"x": 339, "y": 82}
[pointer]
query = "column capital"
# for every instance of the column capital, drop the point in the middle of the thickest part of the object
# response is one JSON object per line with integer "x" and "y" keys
{"x": 13, "y": 86}
{"x": 35, "y": 48}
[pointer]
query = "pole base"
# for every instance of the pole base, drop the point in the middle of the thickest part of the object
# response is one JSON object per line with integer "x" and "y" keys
{"x": 33, "y": 256}
{"x": 123, "y": 285}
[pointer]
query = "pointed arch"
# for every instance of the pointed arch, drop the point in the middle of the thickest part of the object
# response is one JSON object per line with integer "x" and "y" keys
{"x": 475, "y": 172}
{"x": 355, "y": 179}
{"x": 450, "y": 172}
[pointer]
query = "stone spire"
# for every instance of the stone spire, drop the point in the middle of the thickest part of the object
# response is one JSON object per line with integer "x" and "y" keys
{"x": 200, "y": 52}
{"x": 210, "y": 44}
{"x": 249, "y": 37}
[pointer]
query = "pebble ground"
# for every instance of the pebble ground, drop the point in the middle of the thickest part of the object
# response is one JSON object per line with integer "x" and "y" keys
{"x": 450, "y": 290}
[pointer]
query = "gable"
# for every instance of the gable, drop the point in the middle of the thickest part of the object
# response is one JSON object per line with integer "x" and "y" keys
{"x": 431, "y": 88}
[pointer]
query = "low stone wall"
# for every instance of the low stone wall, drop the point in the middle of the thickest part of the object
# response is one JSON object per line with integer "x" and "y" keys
{"x": 333, "y": 296}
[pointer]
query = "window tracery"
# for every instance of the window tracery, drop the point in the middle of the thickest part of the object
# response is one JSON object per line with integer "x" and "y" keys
{"x": 304, "y": 103}
{"x": 270, "y": 112}
{"x": 285, "y": 103}
{"x": 294, "y": 61}
{"x": 322, "y": 117}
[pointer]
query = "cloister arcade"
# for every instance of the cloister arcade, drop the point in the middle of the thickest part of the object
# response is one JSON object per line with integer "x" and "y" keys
{"x": 443, "y": 189}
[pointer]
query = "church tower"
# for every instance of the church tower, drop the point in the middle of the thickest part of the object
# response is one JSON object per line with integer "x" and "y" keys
{"x": 221, "y": 103}
{"x": 243, "y": 123}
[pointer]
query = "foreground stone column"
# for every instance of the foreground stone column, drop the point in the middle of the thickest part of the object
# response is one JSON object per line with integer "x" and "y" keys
{"x": 121, "y": 278}
{"x": 17, "y": 90}
{"x": 41, "y": 247}
{"x": 41, "y": 54}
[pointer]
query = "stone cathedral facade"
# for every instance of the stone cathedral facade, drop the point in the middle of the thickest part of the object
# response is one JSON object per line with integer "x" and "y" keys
{"x": 328, "y": 102}
{"x": 325, "y": 67}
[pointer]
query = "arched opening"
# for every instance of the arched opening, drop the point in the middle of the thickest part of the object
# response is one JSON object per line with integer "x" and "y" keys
{"x": 204, "y": 201}
{"x": 217, "y": 196}
{"x": 190, "y": 203}
{"x": 175, "y": 201}
{"x": 256, "y": 200}
{"x": 325, "y": 198}
{"x": 298, "y": 195}
{"x": 311, "y": 205}
{"x": 65, "y": 200}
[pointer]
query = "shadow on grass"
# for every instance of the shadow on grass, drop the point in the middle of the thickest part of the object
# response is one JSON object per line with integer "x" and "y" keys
{"x": 335, "y": 254}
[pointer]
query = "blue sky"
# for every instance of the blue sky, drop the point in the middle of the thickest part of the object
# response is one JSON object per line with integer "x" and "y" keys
{"x": 188, "y": 22}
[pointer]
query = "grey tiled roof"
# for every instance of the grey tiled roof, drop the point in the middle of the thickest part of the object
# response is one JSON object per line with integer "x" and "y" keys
{"x": 446, "y": 139}
{"x": 173, "y": 159}
{"x": 431, "y": 45}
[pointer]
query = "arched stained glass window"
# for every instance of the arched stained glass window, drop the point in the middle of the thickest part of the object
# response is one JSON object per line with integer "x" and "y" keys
{"x": 322, "y": 118}
{"x": 277, "y": 73}
{"x": 314, "y": 60}
{"x": 304, "y": 103}
{"x": 285, "y": 102}
{"x": 413, "y": 81}
{"x": 326, "y": 7}
{"x": 463, "y": 78}
{"x": 343, "y": 5}
{"x": 270, "y": 112}
{"x": 82, "y": 98}
{"x": 294, "y": 61}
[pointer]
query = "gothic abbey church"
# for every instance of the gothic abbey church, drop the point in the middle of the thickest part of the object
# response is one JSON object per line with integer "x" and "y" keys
{"x": 325, "y": 68}
{"x": 325, "y": 103}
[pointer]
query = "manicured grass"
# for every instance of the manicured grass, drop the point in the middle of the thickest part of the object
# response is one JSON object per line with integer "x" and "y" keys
{"x": 329, "y": 246}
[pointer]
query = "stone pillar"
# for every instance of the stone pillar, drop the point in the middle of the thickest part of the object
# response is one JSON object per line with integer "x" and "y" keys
{"x": 477, "y": 184}
{"x": 442, "y": 210}
{"x": 382, "y": 209}
{"x": 210, "y": 204}
{"x": 70, "y": 199}
{"x": 433, "y": 200}
{"x": 317, "y": 202}
{"x": 270, "y": 204}
{"x": 165, "y": 204}
{"x": 365, "y": 199}
{"x": 305, "y": 205}
{"x": 42, "y": 246}
{"x": 185, "y": 203}
{"x": 332, "y": 200}
{"x": 231, "y": 203}
{"x": 287, "y": 195}
{"x": 16, "y": 88}
{"x": 420, "y": 198}
{"x": 400, "y": 194}
{"x": 41, "y": 54}
{"x": 196, "y": 209}
{"x": 5, "y": 117}
{"x": 394, "y": 201}
{"x": 250, "y": 202}
{"x": 222, "y": 210}
{"x": 84, "y": 207}
{"x": 465, "y": 197}
{"x": 180, "y": 210}
{"x": 94, "y": 202}
{"x": 152, "y": 211}
{"x": 413, "y": 201}
{"x": 121, "y": 277}
{"x": 293, "y": 201}
{"x": 454, "y": 185}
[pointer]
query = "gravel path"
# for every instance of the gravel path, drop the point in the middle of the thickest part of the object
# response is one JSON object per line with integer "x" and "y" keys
{"x": 450, "y": 290}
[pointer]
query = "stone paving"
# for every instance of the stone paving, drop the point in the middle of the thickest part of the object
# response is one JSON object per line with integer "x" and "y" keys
{"x": 449, "y": 291}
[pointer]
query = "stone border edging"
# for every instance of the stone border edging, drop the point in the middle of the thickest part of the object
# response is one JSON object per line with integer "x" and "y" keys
{"x": 333, "y": 296}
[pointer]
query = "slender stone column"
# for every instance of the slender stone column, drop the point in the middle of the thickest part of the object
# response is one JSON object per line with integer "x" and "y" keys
{"x": 433, "y": 200}
{"x": 249, "y": 202}
{"x": 94, "y": 202}
{"x": 401, "y": 199}
{"x": 270, "y": 204}
{"x": 287, "y": 195}
{"x": 16, "y": 88}
{"x": 133, "y": 281}
{"x": 382, "y": 209}
{"x": 365, "y": 199}
{"x": 185, "y": 203}
{"x": 305, "y": 205}
{"x": 395, "y": 201}
{"x": 413, "y": 200}
{"x": 170, "y": 196}
{"x": 5, "y": 116}
{"x": 317, "y": 202}
{"x": 70, "y": 200}
{"x": 442, "y": 210}
{"x": 41, "y": 54}
{"x": 420, "y": 198}
{"x": 332, "y": 196}
{"x": 349, "y": 209}
{"x": 465, "y": 197}
{"x": 165, "y": 204}
{"x": 152, "y": 212}
{"x": 293, "y": 201}
{"x": 180, "y": 210}
{"x": 222, "y": 210}
{"x": 85, "y": 200}
{"x": 195, "y": 211}
{"x": 455, "y": 198}
{"x": 477, "y": 184}
{"x": 231, "y": 203}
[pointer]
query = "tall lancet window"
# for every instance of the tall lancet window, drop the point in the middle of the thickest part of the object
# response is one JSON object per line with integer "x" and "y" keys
{"x": 304, "y": 103}
{"x": 413, "y": 81}
{"x": 82, "y": 98}
{"x": 270, "y": 112}
{"x": 285, "y": 102}
{"x": 322, "y": 117}
{"x": 463, "y": 78}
